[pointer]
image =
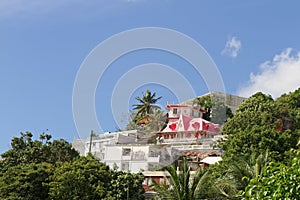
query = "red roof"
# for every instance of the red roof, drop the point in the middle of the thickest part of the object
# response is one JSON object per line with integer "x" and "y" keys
{"x": 185, "y": 123}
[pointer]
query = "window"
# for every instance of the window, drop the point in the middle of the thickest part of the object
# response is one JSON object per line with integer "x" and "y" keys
{"x": 126, "y": 152}
{"x": 175, "y": 111}
{"x": 139, "y": 155}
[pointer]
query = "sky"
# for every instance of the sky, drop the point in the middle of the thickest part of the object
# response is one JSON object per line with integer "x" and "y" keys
{"x": 44, "y": 45}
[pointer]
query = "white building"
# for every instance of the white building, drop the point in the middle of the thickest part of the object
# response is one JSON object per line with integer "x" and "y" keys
{"x": 97, "y": 144}
{"x": 132, "y": 157}
{"x": 186, "y": 131}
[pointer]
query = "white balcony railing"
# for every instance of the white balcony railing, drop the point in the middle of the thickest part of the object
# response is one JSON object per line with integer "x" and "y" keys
{"x": 154, "y": 159}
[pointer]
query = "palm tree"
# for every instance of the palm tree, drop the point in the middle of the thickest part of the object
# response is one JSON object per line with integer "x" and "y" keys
{"x": 146, "y": 105}
{"x": 157, "y": 120}
{"x": 239, "y": 172}
{"x": 182, "y": 185}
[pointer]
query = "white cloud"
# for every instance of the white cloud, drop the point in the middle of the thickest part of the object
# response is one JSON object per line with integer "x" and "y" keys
{"x": 232, "y": 47}
{"x": 281, "y": 75}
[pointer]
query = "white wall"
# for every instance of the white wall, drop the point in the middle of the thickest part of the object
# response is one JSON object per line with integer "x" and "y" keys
{"x": 136, "y": 167}
{"x": 113, "y": 153}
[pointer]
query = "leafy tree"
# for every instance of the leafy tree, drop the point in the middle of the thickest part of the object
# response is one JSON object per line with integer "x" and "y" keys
{"x": 215, "y": 109}
{"x": 260, "y": 125}
{"x": 41, "y": 169}
{"x": 256, "y": 140}
{"x": 206, "y": 104}
{"x": 232, "y": 176}
{"x": 182, "y": 186}
{"x": 258, "y": 110}
{"x": 25, "y": 150}
{"x": 155, "y": 121}
{"x": 126, "y": 185}
{"x": 83, "y": 178}
{"x": 287, "y": 108}
{"x": 25, "y": 181}
{"x": 61, "y": 151}
{"x": 279, "y": 181}
{"x": 26, "y": 167}
{"x": 254, "y": 129}
{"x": 146, "y": 105}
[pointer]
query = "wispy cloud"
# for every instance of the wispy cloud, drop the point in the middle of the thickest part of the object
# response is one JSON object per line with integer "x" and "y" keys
{"x": 281, "y": 75}
{"x": 232, "y": 47}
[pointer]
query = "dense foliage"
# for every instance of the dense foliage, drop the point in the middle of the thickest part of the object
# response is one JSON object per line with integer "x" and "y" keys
{"x": 25, "y": 150}
{"x": 126, "y": 185}
{"x": 268, "y": 129}
{"x": 38, "y": 169}
{"x": 259, "y": 160}
{"x": 146, "y": 116}
{"x": 83, "y": 178}
{"x": 25, "y": 181}
{"x": 257, "y": 126}
{"x": 183, "y": 185}
{"x": 278, "y": 181}
{"x": 215, "y": 109}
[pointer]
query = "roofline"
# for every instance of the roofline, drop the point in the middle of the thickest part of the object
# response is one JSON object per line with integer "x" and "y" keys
{"x": 168, "y": 106}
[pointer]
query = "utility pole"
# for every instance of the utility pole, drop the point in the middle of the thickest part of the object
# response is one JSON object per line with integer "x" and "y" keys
{"x": 91, "y": 139}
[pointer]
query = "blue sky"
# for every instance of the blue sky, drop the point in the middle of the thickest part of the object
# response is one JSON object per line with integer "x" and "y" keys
{"x": 255, "y": 45}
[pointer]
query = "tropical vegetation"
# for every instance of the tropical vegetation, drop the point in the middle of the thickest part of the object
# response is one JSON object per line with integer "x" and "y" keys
{"x": 146, "y": 105}
{"x": 45, "y": 169}
{"x": 146, "y": 115}
{"x": 260, "y": 161}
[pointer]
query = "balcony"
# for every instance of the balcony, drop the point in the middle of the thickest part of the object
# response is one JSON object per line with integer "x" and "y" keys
{"x": 154, "y": 159}
{"x": 126, "y": 157}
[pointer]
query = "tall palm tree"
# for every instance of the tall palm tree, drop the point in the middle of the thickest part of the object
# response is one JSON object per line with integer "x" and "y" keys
{"x": 146, "y": 104}
{"x": 182, "y": 185}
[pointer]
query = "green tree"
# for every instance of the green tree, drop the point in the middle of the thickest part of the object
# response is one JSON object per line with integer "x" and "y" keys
{"x": 41, "y": 169}
{"x": 258, "y": 110}
{"x": 26, "y": 182}
{"x": 279, "y": 181}
{"x": 232, "y": 176}
{"x": 215, "y": 109}
{"x": 146, "y": 105}
{"x": 259, "y": 125}
{"x": 183, "y": 185}
{"x": 155, "y": 121}
{"x": 206, "y": 104}
{"x": 25, "y": 150}
{"x": 126, "y": 185}
{"x": 254, "y": 129}
{"x": 83, "y": 178}
{"x": 287, "y": 108}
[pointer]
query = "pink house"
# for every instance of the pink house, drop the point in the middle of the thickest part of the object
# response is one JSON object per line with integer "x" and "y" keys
{"x": 185, "y": 124}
